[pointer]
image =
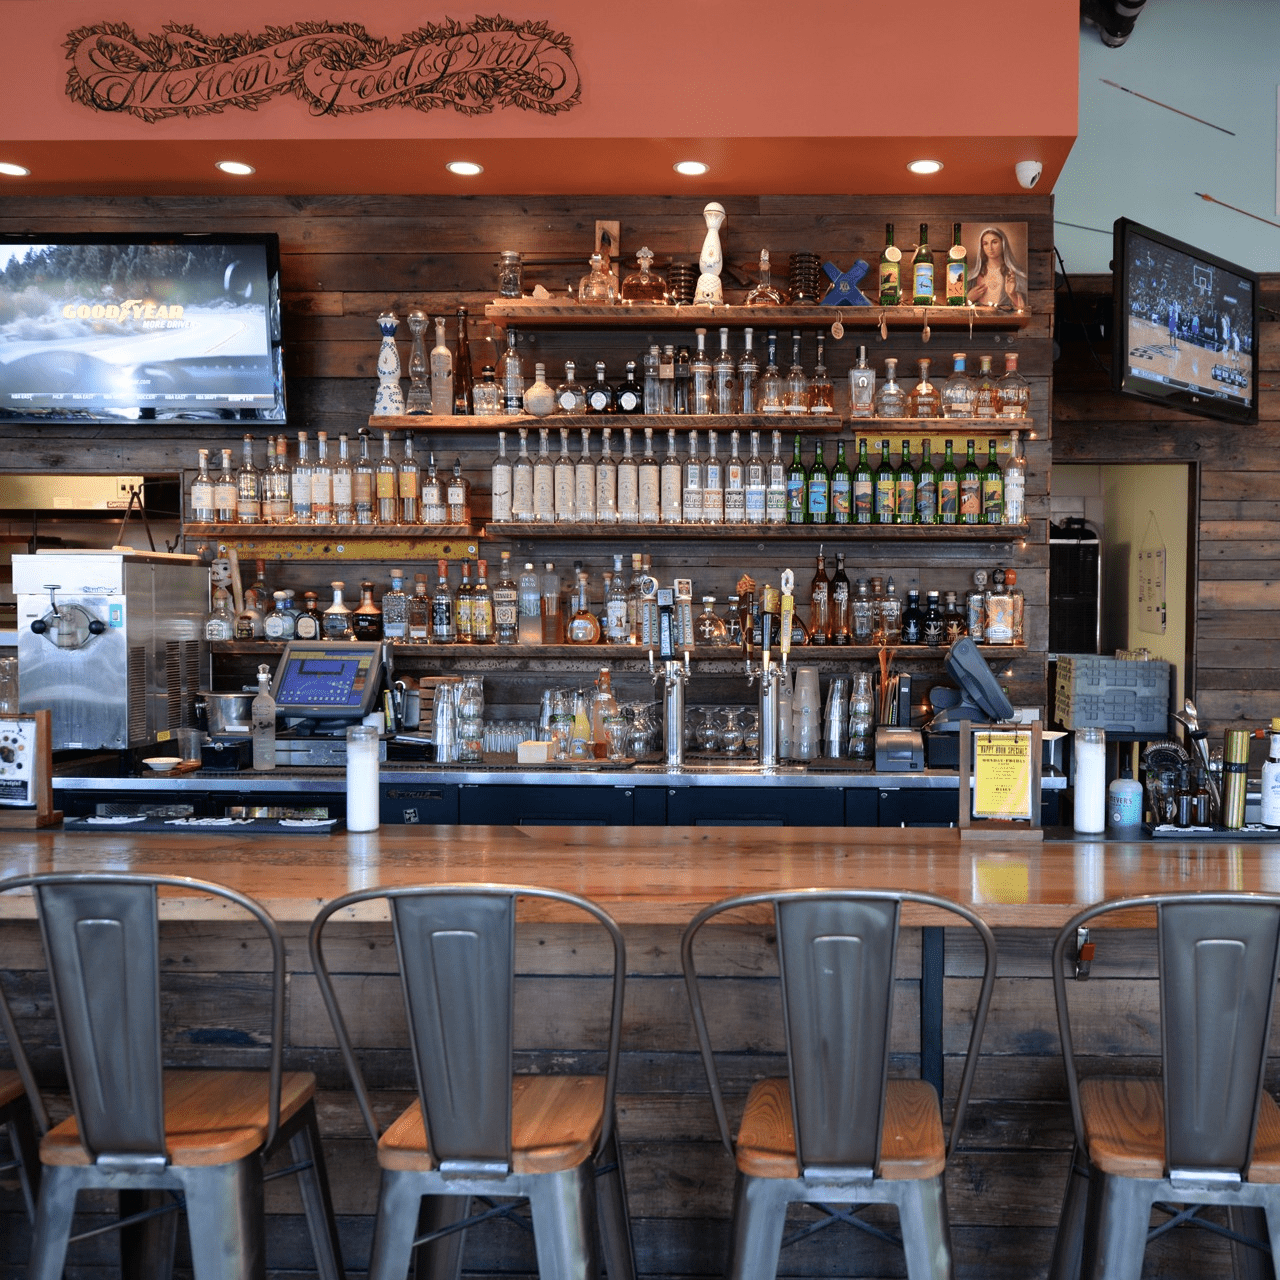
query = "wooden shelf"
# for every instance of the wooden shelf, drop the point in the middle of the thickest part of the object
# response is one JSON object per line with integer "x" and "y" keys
{"x": 661, "y": 423}
{"x": 771, "y": 532}
{"x": 337, "y": 542}
{"x": 574, "y": 315}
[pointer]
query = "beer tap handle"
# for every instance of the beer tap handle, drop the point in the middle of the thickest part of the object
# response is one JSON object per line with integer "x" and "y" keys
{"x": 787, "y": 614}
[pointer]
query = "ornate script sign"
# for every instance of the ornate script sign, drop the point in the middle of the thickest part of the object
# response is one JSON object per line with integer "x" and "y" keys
{"x": 333, "y": 67}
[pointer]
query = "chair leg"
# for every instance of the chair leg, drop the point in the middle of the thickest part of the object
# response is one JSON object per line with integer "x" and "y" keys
{"x": 226, "y": 1220}
{"x": 26, "y": 1150}
{"x": 564, "y": 1223}
{"x": 759, "y": 1216}
{"x": 146, "y": 1248}
{"x": 615, "y": 1221}
{"x": 54, "y": 1212}
{"x": 926, "y": 1233}
{"x": 1068, "y": 1244}
{"x": 1124, "y": 1214}
{"x": 393, "y": 1230}
{"x": 313, "y": 1185}
{"x": 441, "y": 1259}
{"x": 1247, "y": 1263}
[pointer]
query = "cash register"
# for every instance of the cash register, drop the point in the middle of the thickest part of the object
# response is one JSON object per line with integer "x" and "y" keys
{"x": 321, "y": 688}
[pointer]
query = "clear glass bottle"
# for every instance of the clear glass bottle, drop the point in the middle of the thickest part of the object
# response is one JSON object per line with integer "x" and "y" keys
{"x": 992, "y": 488}
{"x": 599, "y": 395}
{"x": 322, "y": 482}
{"x": 277, "y": 498}
{"x": 463, "y": 378}
{"x": 529, "y": 626}
{"x": 628, "y": 482}
{"x": 248, "y": 487}
{"x": 724, "y": 386}
{"x": 395, "y": 609}
{"x": 958, "y": 390}
{"x": 220, "y": 621}
{"x": 891, "y": 614}
{"x": 343, "y": 485}
{"x": 975, "y": 611}
{"x": 1015, "y": 483}
{"x": 583, "y": 626}
{"x": 667, "y": 379}
{"x": 224, "y": 492}
{"x": 584, "y": 480}
{"x": 387, "y": 484}
{"x": 552, "y": 620}
{"x": 775, "y": 494}
{"x": 263, "y": 717}
{"x": 649, "y": 483}
{"x": 444, "y": 616}
{"x": 506, "y": 603}
{"x": 765, "y": 293}
{"x": 482, "y": 620}
{"x": 821, "y": 392}
{"x": 1012, "y": 389}
{"x": 544, "y": 481}
{"x": 645, "y": 286}
{"x": 539, "y": 399}
{"x": 606, "y": 481}
{"x": 441, "y": 373}
{"x": 986, "y": 398}
{"x": 510, "y": 376}
{"x": 366, "y": 618}
{"x": 862, "y": 387}
{"x": 691, "y": 492}
{"x": 410, "y": 484}
{"x": 770, "y": 384}
{"x": 700, "y": 376}
{"x": 618, "y": 629}
{"x": 418, "y": 398}
{"x": 500, "y": 483}
{"x": 202, "y": 509}
{"x": 735, "y": 484}
{"x": 755, "y": 484}
{"x": 1019, "y": 605}
{"x": 925, "y": 402}
{"x": 997, "y": 615}
{"x": 630, "y": 395}
{"x": 795, "y": 391}
{"x": 565, "y": 480}
{"x": 486, "y": 395}
{"x": 748, "y": 376}
{"x": 280, "y": 623}
{"x": 597, "y": 287}
{"x": 337, "y": 617}
{"x": 861, "y": 613}
{"x": 522, "y": 509}
{"x": 419, "y": 611}
{"x": 458, "y": 496}
{"x": 672, "y": 483}
{"x": 432, "y": 506}
{"x": 570, "y": 396}
{"x": 683, "y": 377}
{"x": 890, "y": 400}
{"x": 712, "y": 484}
{"x": 652, "y": 380}
{"x": 708, "y": 629}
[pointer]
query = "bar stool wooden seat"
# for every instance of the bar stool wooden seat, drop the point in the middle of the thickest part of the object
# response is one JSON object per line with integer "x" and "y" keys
{"x": 476, "y": 1128}
{"x": 836, "y": 1130}
{"x": 161, "y": 1137}
{"x": 1204, "y": 1132}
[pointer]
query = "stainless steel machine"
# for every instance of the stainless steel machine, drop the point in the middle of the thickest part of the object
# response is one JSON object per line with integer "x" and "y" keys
{"x": 111, "y": 643}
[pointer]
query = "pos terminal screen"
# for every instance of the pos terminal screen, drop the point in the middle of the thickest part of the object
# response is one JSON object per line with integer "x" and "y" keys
{"x": 328, "y": 681}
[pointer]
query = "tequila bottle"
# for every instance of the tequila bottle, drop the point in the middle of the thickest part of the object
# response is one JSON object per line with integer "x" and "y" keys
{"x": 957, "y": 284}
{"x": 1019, "y": 602}
{"x": 765, "y": 293}
{"x": 463, "y": 378}
{"x": 544, "y": 481}
{"x": 628, "y": 482}
{"x": 841, "y": 600}
{"x": 486, "y": 395}
{"x": 395, "y": 609}
{"x": 281, "y": 622}
{"x": 202, "y": 509}
{"x": 735, "y": 484}
{"x": 927, "y": 487}
{"x": 510, "y": 376}
{"x": 529, "y": 597}
{"x": 821, "y": 392}
{"x": 748, "y": 374}
{"x": 565, "y": 482}
{"x": 724, "y": 387}
{"x": 954, "y": 626}
{"x": 691, "y": 493}
{"x": 864, "y": 487}
{"x": 997, "y": 618}
{"x": 819, "y": 489}
{"x": 948, "y": 488}
{"x": 986, "y": 398}
{"x": 570, "y": 397}
{"x": 600, "y": 394}
{"x": 755, "y": 484}
{"x": 337, "y": 617}
{"x": 644, "y": 286}
{"x": 775, "y": 495}
{"x": 419, "y": 398}
{"x": 387, "y": 484}
{"x": 970, "y": 488}
{"x": 649, "y": 483}
{"x": 322, "y": 482}
{"x": 462, "y": 606}
{"x": 220, "y": 621}
{"x": 539, "y": 399}
{"x": 419, "y": 611}
{"x": 584, "y": 482}
{"x": 891, "y": 614}
{"x": 652, "y": 380}
{"x": 444, "y": 617}
{"x": 630, "y": 396}
{"x": 344, "y": 511}
{"x": 277, "y": 496}
{"x": 700, "y": 376}
{"x": 667, "y": 380}
{"x": 248, "y": 487}
{"x": 606, "y": 481}
{"x": 925, "y": 400}
{"x": 992, "y": 488}
{"x": 506, "y": 603}
{"x": 410, "y": 483}
{"x": 500, "y": 482}
{"x": 795, "y": 393}
{"x": 1015, "y": 484}
{"x": 552, "y": 632}
{"x": 224, "y": 492}
{"x": 905, "y": 493}
{"x": 890, "y": 400}
{"x": 890, "y": 270}
{"x": 922, "y": 271}
{"x": 886, "y": 488}
{"x": 366, "y": 619}
{"x": 458, "y": 496}
{"x": 615, "y": 603}
{"x": 797, "y": 482}
{"x": 1012, "y": 389}
{"x": 861, "y": 614}
{"x": 310, "y": 624}
{"x": 584, "y": 626}
{"x": 862, "y": 387}
{"x": 441, "y": 374}
{"x": 672, "y": 494}
{"x": 770, "y": 387}
{"x": 482, "y": 624}
{"x": 597, "y": 285}
{"x": 913, "y": 619}
{"x": 683, "y": 376}
{"x": 958, "y": 390}
{"x": 433, "y": 507}
{"x": 522, "y": 510}
{"x": 712, "y": 484}
{"x": 820, "y": 603}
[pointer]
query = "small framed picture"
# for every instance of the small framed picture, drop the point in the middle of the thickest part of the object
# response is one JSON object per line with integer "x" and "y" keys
{"x": 996, "y": 258}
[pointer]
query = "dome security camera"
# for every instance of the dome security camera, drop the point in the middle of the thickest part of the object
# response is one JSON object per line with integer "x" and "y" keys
{"x": 1028, "y": 172}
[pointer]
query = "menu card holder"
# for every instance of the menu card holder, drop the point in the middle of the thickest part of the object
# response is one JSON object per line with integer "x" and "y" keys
{"x": 1000, "y": 781}
{"x": 26, "y": 772}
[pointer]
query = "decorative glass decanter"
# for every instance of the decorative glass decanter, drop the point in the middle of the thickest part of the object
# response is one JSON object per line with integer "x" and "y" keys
{"x": 645, "y": 286}
{"x": 597, "y": 285}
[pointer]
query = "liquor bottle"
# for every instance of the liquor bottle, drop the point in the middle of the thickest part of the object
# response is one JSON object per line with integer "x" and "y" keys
{"x": 224, "y": 492}
{"x": 606, "y": 481}
{"x": 924, "y": 400}
{"x": 281, "y": 623}
{"x": 248, "y": 488}
{"x": 890, "y": 270}
{"x": 544, "y": 481}
{"x": 992, "y": 488}
{"x": 841, "y": 630}
{"x": 754, "y": 484}
{"x": 263, "y": 720}
{"x": 1015, "y": 484}
{"x": 672, "y": 494}
{"x": 954, "y": 626}
{"x": 444, "y": 618}
{"x": 458, "y": 496}
{"x": 712, "y": 484}
{"x": 933, "y": 621}
{"x": 821, "y": 392}
{"x": 1019, "y": 600}
{"x": 890, "y": 400}
{"x": 820, "y": 603}
{"x": 364, "y": 484}
{"x": 795, "y": 391}
{"x": 462, "y": 378}
{"x": 667, "y": 379}
{"x": 891, "y": 614}
{"x": 797, "y": 482}
{"x": 1270, "y": 816}
{"x": 500, "y": 482}
{"x": 948, "y": 488}
{"x": 410, "y": 483}
{"x": 1012, "y": 389}
{"x": 433, "y": 505}
{"x": 277, "y": 497}
{"x": 913, "y": 619}
{"x": 975, "y": 610}
{"x": 957, "y": 284}
{"x": 486, "y": 395}
{"x": 775, "y": 495}
{"x": 539, "y": 399}
{"x": 552, "y": 622}
{"x": 395, "y": 609}
{"x": 522, "y": 482}
{"x": 220, "y": 621}
{"x": 344, "y": 511}
{"x": 482, "y": 623}
{"x": 652, "y": 380}
{"x": 886, "y": 488}
{"x": 691, "y": 491}
{"x": 862, "y": 387}
{"x": 322, "y": 482}
{"x": 584, "y": 626}
{"x": 506, "y": 603}
{"x": 337, "y": 617}
{"x": 748, "y": 374}
{"x": 735, "y": 484}
{"x": 366, "y": 619}
{"x": 905, "y": 491}
{"x": 604, "y": 707}
{"x": 927, "y": 487}
{"x": 256, "y": 593}
{"x": 570, "y": 397}
{"x": 765, "y": 293}
{"x": 597, "y": 286}
{"x": 441, "y": 374}
{"x": 986, "y": 399}
{"x": 862, "y": 614}
{"x": 511, "y": 376}
{"x": 628, "y": 483}
{"x": 922, "y": 271}
{"x": 462, "y": 606}
{"x": 630, "y": 396}
{"x": 310, "y": 624}
{"x": 649, "y": 483}
{"x": 724, "y": 388}
{"x": 700, "y": 376}
{"x": 997, "y": 616}
{"x": 599, "y": 394}
{"x": 419, "y": 611}
{"x": 958, "y": 390}
{"x": 635, "y": 597}
{"x": 387, "y": 485}
{"x": 970, "y": 488}
{"x": 644, "y": 286}
{"x": 202, "y": 509}
{"x": 819, "y": 489}
{"x": 863, "y": 487}
{"x": 583, "y": 479}
{"x": 615, "y": 604}
{"x": 565, "y": 479}
{"x": 770, "y": 386}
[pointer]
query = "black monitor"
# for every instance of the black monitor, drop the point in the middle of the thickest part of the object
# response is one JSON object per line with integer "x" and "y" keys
{"x": 328, "y": 680}
{"x": 1185, "y": 326}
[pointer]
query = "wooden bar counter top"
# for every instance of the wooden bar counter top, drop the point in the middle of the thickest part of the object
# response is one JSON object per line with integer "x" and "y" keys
{"x": 661, "y": 875}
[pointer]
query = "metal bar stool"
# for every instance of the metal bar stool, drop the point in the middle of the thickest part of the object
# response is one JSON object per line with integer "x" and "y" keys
{"x": 836, "y": 1130}
{"x": 18, "y": 1119}
{"x": 1204, "y": 1131}
{"x": 150, "y": 1133}
{"x": 477, "y": 1128}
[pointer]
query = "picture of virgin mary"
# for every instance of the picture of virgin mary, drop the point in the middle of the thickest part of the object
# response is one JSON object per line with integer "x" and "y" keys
{"x": 997, "y": 274}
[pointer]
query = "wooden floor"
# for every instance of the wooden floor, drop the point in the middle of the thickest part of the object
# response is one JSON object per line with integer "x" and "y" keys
{"x": 1004, "y": 1186}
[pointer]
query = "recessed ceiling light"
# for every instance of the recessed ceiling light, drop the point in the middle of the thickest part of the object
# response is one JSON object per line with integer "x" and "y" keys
{"x": 238, "y": 167}
{"x": 14, "y": 170}
{"x": 465, "y": 168}
{"x": 691, "y": 168}
{"x": 925, "y": 166}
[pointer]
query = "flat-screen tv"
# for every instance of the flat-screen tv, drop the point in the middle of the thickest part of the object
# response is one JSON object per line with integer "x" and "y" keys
{"x": 1186, "y": 324}
{"x": 118, "y": 328}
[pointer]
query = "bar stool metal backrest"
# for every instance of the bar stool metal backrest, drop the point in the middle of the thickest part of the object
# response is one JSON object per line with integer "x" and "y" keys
{"x": 837, "y": 952}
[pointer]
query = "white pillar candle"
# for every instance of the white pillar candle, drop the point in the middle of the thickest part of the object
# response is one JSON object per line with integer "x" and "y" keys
{"x": 362, "y": 778}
